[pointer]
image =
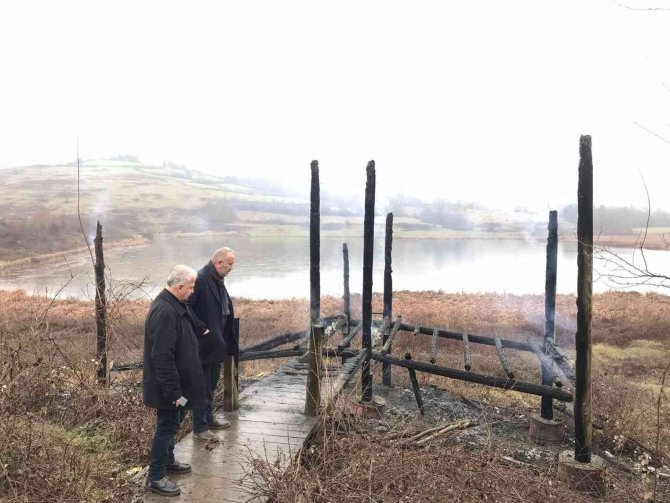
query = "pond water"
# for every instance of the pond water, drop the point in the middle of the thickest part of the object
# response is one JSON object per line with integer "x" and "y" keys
{"x": 276, "y": 268}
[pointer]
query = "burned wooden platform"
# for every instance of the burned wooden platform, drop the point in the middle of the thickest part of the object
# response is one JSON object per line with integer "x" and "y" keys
{"x": 269, "y": 425}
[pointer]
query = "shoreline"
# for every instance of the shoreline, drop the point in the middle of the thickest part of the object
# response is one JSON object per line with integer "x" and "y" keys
{"x": 49, "y": 257}
{"x": 653, "y": 240}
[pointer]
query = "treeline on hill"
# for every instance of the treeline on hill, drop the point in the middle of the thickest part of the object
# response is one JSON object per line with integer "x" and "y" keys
{"x": 619, "y": 220}
{"x": 441, "y": 212}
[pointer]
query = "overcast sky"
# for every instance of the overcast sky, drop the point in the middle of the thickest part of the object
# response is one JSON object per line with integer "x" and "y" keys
{"x": 473, "y": 100}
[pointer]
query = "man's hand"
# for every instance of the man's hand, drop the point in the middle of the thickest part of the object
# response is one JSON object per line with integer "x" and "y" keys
{"x": 205, "y": 332}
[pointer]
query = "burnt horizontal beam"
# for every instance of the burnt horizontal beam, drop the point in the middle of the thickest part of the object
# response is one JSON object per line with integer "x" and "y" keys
{"x": 285, "y": 338}
{"x": 120, "y": 367}
{"x": 458, "y": 336}
{"x": 496, "y": 382}
{"x": 266, "y": 355}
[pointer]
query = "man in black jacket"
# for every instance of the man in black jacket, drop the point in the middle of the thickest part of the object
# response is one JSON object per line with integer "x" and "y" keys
{"x": 216, "y": 335}
{"x": 172, "y": 374}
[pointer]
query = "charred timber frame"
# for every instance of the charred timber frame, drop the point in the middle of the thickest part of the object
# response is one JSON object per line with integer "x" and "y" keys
{"x": 368, "y": 246}
{"x": 496, "y": 382}
{"x": 388, "y": 295}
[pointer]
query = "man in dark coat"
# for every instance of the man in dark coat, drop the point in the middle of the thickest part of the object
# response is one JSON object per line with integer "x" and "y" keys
{"x": 172, "y": 374}
{"x": 216, "y": 335}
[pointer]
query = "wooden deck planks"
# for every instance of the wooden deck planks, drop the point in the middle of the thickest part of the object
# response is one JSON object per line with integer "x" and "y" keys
{"x": 269, "y": 425}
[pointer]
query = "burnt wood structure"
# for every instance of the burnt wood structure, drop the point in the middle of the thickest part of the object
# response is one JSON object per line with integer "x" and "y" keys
{"x": 547, "y": 409}
{"x": 368, "y": 245}
{"x": 100, "y": 307}
{"x": 388, "y": 292}
{"x": 582, "y": 407}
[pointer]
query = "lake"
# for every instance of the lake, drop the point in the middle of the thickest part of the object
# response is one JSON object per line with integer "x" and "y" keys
{"x": 275, "y": 268}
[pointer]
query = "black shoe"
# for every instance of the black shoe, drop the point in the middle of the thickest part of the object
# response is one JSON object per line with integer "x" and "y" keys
{"x": 163, "y": 486}
{"x": 178, "y": 467}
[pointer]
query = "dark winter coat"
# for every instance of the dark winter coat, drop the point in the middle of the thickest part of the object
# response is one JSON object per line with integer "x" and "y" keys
{"x": 221, "y": 340}
{"x": 172, "y": 365}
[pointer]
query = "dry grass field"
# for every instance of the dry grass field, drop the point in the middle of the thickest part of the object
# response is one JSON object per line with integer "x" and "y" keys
{"x": 64, "y": 439}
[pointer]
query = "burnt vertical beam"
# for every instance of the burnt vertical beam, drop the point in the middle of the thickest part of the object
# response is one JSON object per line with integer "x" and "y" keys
{"x": 315, "y": 247}
{"x": 388, "y": 293}
{"x": 347, "y": 295}
{"x": 368, "y": 246}
{"x": 313, "y": 397}
{"x": 467, "y": 355}
{"x": 582, "y": 408}
{"x": 100, "y": 307}
{"x": 546, "y": 407}
{"x": 433, "y": 346}
{"x": 231, "y": 375}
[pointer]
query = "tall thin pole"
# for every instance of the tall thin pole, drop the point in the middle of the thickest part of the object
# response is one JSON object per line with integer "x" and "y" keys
{"x": 547, "y": 411}
{"x": 100, "y": 307}
{"x": 347, "y": 295}
{"x": 314, "y": 248}
{"x": 368, "y": 245}
{"x": 583, "y": 411}
{"x": 388, "y": 293}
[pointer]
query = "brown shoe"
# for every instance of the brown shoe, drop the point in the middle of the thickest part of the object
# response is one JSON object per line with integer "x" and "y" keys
{"x": 219, "y": 423}
{"x": 206, "y": 436}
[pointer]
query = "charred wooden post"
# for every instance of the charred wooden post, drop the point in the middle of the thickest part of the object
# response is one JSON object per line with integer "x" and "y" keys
{"x": 230, "y": 376}
{"x": 546, "y": 407}
{"x": 315, "y": 247}
{"x": 347, "y": 295}
{"x": 100, "y": 308}
{"x": 467, "y": 355}
{"x": 415, "y": 384}
{"x": 386, "y": 349}
{"x": 368, "y": 245}
{"x": 462, "y": 375}
{"x": 582, "y": 408}
{"x": 313, "y": 397}
{"x": 388, "y": 293}
{"x": 503, "y": 358}
{"x": 433, "y": 346}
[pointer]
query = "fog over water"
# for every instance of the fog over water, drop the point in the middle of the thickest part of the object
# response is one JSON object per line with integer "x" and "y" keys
{"x": 276, "y": 268}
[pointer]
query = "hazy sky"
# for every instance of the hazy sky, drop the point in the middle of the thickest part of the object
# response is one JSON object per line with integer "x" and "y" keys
{"x": 476, "y": 100}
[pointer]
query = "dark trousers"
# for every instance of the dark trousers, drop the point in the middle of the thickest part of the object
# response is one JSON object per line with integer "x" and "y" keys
{"x": 162, "y": 448}
{"x": 203, "y": 416}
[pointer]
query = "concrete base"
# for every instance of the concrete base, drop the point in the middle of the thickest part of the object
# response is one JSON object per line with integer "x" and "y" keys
{"x": 584, "y": 477}
{"x": 373, "y": 409}
{"x": 546, "y": 430}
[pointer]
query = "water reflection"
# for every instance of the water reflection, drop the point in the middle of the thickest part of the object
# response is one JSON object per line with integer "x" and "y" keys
{"x": 275, "y": 268}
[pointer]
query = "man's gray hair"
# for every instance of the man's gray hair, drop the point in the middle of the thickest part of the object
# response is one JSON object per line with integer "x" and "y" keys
{"x": 221, "y": 253}
{"x": 180, "y": 275}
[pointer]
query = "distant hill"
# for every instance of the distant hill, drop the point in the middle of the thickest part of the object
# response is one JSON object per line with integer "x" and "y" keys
{"x": 38, "y": 208}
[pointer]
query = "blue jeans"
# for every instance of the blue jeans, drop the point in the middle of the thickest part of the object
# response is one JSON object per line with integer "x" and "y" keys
{"x": 162, "y": 448}
{"x": 203, "y": 416}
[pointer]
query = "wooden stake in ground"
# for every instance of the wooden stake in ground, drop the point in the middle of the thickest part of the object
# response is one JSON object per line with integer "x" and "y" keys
{"x": 582, "y": 406}
{"x": 547, "y": 410}
{"x": 100, "y": 308}
{"x": 368, "y": 244}
{"x": 313, "y": 398}
{"x": 315, "y": 247}
{"x": 388, "y": 293}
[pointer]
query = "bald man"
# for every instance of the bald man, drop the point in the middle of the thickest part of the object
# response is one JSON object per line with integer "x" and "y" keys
{"x": 213, "y": 309}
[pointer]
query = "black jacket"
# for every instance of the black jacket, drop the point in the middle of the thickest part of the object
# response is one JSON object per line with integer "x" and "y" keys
{"x": 206, "y": 303}
{"x": 172, "y": 366}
